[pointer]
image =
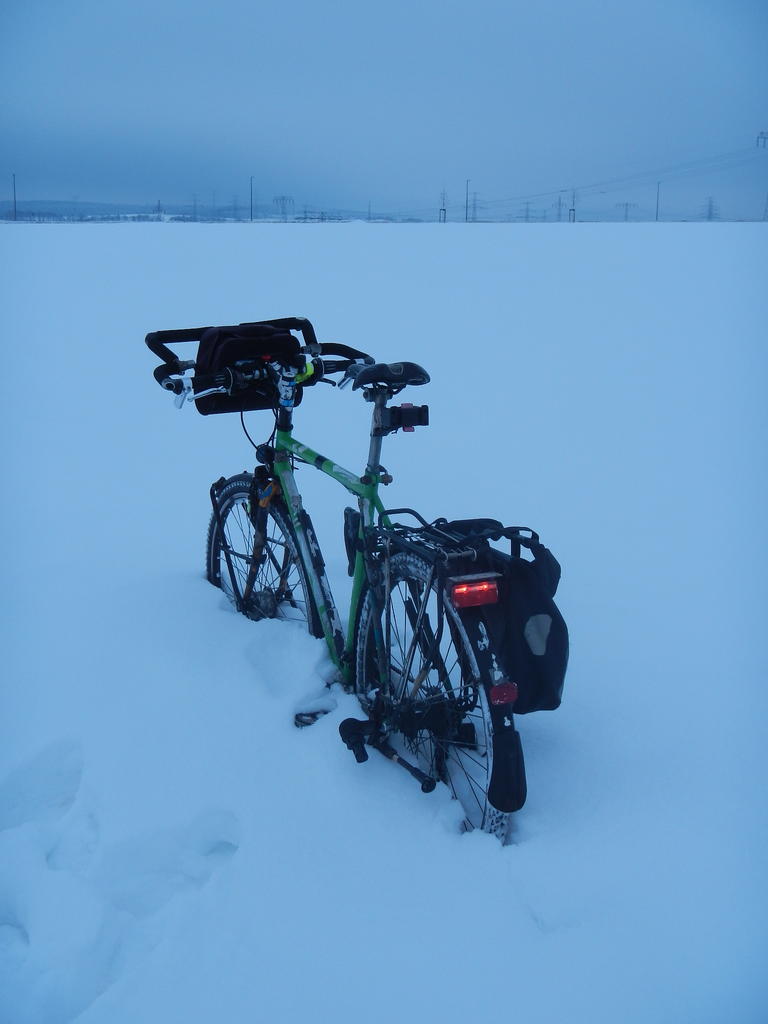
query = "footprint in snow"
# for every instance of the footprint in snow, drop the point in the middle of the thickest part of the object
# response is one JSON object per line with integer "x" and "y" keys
{"x": 44, "y": 787}
{"x": 141, "y": 875}
{"x": 73, "y": 912}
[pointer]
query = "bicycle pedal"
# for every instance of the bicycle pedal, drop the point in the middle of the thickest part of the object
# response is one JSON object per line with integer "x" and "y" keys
{"x": 313, "y": 709}
{"x": 354, "y": 733}
{"x": 304, "y": 718}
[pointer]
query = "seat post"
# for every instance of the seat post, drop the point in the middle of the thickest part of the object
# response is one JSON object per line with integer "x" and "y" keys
{"x": 374, "y": 452}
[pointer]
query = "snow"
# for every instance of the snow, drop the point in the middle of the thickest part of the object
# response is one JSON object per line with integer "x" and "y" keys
{"x": 172, "y": 848}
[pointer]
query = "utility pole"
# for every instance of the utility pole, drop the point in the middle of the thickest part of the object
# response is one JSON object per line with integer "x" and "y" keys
{"x": 658, "y": 187}
{"x": 14, "y": 197}
{"x": 559, "y": 208}
{"x": 711, "y": 211}
{"x": 466, "y": 202}
{"x": 283, "y": 203}
{"x": 762, "y": 142}
{"x": 626, "y": 207}
{"x": 443, "y": 212}
{"x": 572, "y": 211}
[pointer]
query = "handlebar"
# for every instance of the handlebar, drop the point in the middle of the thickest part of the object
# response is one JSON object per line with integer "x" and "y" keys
{"x": 232, "y": 379}
{"x": 173, "y": 373}
{"x": 157, "y": 341}
{"x": 225, "y": 381}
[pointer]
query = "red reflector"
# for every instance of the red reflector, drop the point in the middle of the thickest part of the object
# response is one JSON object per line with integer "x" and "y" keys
{"x": 469, "y": 595}
{"x": 503, "y": 693}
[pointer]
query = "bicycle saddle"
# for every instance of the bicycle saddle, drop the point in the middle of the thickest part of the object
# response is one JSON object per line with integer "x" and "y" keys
{"x": 392, "y": 374}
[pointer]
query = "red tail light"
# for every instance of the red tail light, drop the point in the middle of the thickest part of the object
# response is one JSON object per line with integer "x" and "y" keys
{"x": 470, "y": 593}
{"x": 503, "y": 693}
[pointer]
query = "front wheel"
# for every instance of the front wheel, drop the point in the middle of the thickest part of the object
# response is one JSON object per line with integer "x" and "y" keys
{"x": 257, "y": 549}
{"x": 435, "y": 703}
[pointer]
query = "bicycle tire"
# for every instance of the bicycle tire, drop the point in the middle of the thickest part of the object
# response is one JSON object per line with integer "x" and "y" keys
{"x": 462, "y": 757}
{"x": 279, "y": 587}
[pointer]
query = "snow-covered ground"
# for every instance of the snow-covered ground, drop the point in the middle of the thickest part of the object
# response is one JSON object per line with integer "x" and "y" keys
{"x": 172, "y": 848}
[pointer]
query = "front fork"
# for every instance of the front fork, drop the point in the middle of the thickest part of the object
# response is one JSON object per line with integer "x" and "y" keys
{"x": 215, "y": 487}
{"x": 309, "y": 551}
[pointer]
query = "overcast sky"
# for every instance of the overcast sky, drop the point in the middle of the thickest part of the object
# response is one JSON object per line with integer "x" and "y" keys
{"x": 342, "y": 103}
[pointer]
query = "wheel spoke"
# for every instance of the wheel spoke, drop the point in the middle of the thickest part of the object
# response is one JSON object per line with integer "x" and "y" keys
{"x": 269, "y": 576}
{"x": 417, "y": 639}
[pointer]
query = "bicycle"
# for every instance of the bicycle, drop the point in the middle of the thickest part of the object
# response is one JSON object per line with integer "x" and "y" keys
{"x": 437, "y": 648}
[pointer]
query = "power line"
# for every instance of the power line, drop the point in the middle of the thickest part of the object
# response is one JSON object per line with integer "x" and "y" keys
{"x": 639, "y": 178}
{"x": 700, "y": 165}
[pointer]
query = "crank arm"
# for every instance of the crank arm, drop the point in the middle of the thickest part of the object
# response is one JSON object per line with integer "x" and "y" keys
{"x": 356, "y": 734}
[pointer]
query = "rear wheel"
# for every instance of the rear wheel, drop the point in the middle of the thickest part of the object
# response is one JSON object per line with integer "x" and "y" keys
{"x": 436, "y": 706}
{"x": 270, "y": 578}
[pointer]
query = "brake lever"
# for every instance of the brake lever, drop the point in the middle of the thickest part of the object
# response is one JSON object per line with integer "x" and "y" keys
{"x": 187, "y": 394}
{"x": 349, "y": 375}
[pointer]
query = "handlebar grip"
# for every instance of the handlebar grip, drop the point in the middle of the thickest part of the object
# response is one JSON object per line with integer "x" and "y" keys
{"x": 335, "y": 365}
{"x": 164, "y": 374}
{"x": 291, "y": 323}
{"x": 334, "y": 349}
{"x": 164, "y": 370}
{"x": 156, "y": 341}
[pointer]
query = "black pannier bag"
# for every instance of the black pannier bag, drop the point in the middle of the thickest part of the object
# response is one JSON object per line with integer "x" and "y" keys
{"x": 529, "y": 633}
{"x": 222, "y": 347}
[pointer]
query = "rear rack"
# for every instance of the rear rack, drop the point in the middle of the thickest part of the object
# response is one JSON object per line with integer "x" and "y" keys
{"x": 447, "y": 541}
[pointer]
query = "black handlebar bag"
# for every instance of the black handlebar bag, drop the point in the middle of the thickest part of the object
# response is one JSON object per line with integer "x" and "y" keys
{"x": 223, "y": 348}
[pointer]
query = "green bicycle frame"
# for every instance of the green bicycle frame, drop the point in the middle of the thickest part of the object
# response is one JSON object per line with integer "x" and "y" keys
{"x": 366, "y": 490}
